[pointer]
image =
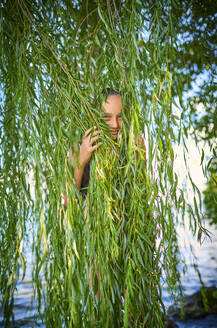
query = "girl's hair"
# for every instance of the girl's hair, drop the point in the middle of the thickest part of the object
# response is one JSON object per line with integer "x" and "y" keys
{"x": 110, "y": 92}
{"x": 105, "y": 93}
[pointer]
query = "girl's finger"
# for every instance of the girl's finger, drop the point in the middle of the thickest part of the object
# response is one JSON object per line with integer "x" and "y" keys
{"x": 95, "y": 133}
{"x": 96, "y": 146}
{"x": 92, "y": 140}
{"x": 88, "y": 131}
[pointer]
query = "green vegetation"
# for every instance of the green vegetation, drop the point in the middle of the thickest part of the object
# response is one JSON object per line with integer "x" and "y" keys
{"x": 210, "y": 195}
{"x": 56, "y": 58}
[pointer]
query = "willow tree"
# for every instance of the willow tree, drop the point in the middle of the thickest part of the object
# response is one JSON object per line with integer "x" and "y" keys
{"x": 57, "y": 58}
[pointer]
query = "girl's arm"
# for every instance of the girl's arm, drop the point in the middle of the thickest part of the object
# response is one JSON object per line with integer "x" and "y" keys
{"x": 141, "y": 144}
{"x": 86, "y": 150}
{"x": 78, "y": 167}
{"x": 141, "y": 151}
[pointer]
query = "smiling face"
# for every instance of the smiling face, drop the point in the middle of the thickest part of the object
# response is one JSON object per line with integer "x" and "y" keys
{"x": 112, "y": 114}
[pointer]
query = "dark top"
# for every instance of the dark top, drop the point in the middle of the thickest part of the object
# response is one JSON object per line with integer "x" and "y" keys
{"x": 85, "y": 181}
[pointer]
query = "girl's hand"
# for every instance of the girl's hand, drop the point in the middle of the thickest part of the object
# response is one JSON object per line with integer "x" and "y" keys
{"x": 88, "y": 147}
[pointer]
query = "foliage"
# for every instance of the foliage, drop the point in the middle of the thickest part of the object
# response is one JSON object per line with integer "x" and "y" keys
{"x": 57, "y": 58}
{"x": 210, "y": 195}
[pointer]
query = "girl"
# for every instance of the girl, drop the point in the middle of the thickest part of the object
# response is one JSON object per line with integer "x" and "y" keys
{"x": 112, "y": 114}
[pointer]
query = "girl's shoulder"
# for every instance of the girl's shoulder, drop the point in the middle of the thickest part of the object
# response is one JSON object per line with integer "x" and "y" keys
{"x": 140, "y": 142}
{"x": 141, "y": 148}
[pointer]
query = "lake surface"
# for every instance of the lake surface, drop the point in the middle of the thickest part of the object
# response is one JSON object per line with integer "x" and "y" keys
{"x": 25, "y": 306}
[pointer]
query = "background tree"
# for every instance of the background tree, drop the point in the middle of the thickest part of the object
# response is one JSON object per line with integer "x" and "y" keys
{"x": 210, "y": 195}
{"x": 192, "y": 63}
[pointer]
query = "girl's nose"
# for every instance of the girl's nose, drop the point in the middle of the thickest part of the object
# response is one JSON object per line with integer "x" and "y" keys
{"x": 114, "y": 122}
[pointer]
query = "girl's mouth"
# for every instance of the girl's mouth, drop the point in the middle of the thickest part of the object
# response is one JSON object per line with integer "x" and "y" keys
{"x": 114, "y": 132}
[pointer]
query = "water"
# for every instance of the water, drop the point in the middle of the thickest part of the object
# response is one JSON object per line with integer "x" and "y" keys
{"x": 25, "y": 312}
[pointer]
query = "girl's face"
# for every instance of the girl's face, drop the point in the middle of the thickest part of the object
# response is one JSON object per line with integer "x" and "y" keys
{"x": 112, "y": 114}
